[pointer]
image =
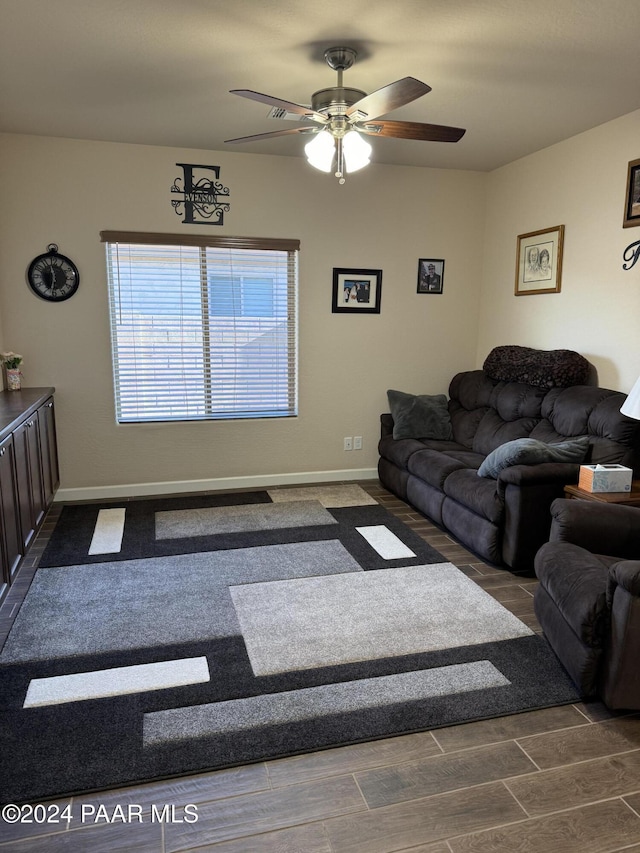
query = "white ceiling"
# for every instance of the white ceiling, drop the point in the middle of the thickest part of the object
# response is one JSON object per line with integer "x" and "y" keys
{"x": 518, "y": 74}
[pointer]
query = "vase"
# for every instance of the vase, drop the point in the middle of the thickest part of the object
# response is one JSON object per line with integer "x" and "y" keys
{"x": 14, "y": 379}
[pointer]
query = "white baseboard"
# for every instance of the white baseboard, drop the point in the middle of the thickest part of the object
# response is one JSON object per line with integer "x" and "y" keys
{"x": 137, "y": 490}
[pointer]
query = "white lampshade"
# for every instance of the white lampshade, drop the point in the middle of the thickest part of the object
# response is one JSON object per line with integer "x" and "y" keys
{"x": 320, "y": 151}
{"x": 631, "y": 406}
{"x": 357, "y": 152}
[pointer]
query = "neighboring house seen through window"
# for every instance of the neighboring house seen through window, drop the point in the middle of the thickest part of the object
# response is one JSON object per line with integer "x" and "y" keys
{"x": 202, "y": 328}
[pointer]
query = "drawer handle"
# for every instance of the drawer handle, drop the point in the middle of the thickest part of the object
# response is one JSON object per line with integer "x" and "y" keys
{"x": 2, "y": 451}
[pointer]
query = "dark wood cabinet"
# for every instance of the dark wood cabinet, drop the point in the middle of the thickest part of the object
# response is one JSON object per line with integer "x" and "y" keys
{"x": 48, "y": 451}
{"x": 29, "y": 474}
{"x": 29, "y": 471}
{"x": 10, "y": 531}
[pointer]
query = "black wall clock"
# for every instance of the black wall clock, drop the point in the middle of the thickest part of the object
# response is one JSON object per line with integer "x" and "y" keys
{"x": 53, "y": 276}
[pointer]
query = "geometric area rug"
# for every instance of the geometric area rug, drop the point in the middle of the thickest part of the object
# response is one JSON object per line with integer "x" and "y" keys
{"x": 169, "y": 636}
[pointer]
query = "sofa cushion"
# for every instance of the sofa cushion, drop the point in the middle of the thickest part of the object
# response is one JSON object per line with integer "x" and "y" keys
{"x": 529, "y": 451}
{"x": 513, "y": 400}
{"x": 470, "y": 395}
{"x": 477, "y": 533}
{"x": 419, "y": 416}
{"x": 472, "y": 389}
{"x": 586, "y": 409}
{"x": 450, "y": 447}
{"x": 433, "y": 466}
{"x": 398, "y": 452}
{"x": 480, "y": 496}
{"x": 465, "y": 423}
{"x": 493, "y": 431}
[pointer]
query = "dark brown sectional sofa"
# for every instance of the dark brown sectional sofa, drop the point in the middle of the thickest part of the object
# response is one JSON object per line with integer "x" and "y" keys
{"x": 519, "y": 394}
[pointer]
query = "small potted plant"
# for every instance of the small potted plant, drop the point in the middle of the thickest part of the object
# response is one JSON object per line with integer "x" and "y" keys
{"x": 11, "y": 362}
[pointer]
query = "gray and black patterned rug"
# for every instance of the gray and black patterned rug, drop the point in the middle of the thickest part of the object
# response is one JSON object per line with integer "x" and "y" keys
{"x": 171, "y": 636}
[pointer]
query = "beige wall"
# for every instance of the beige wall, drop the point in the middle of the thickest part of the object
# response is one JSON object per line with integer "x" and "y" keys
{"x": 67, "y": 191}
{"x": 579, "y": 183}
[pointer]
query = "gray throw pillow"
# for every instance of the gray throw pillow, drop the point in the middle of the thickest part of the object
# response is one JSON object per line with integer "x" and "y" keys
{"x": 420, "y": 416}
{"x": 530, "y": 451}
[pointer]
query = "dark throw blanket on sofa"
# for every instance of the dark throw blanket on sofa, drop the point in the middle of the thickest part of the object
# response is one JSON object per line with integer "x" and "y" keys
{"x": 556, "y": 368}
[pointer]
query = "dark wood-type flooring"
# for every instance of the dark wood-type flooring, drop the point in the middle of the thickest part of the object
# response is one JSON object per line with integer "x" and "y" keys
{"x": 559, "y": 780}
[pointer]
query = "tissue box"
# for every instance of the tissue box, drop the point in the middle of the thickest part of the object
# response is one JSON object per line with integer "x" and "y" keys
{"x": 605, "y": 478}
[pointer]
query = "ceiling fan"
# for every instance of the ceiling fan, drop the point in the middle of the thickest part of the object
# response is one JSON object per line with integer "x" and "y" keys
{"x": 340, "y": 114}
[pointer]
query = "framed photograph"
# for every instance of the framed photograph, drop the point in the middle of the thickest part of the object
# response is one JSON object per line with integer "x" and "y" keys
{"x": 430, "y": 275}
{"x": 632, "y": 205}
{"x": 539, "y": 261}
{"x": 356, "y": 291}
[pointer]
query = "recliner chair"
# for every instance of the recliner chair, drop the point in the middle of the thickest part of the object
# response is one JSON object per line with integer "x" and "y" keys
{"x": 588, "y": 598}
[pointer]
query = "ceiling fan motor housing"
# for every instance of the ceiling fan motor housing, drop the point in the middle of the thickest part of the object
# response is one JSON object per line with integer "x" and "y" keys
{"x": 336, "y": 100}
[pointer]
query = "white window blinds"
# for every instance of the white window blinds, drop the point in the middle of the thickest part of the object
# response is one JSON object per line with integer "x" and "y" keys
{"x": 202, "y": 328}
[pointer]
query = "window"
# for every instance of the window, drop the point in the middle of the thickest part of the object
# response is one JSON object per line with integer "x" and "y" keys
{"x": 202, "y": 328}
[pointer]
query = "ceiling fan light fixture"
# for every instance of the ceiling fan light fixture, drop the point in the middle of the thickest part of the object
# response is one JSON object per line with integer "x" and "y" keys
{"x": 320, "y": 151}
{"x": 357, "y": 152}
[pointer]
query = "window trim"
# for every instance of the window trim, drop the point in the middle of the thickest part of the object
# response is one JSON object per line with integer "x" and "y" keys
{"x": 210, "y": 241}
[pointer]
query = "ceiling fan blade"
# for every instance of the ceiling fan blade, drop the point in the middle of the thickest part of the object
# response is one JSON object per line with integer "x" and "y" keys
{"x": 412, "y": 130}
{"x": 289, "y": 106}
{"x": 389, "y": 98}
{"x": 273, "y": 133}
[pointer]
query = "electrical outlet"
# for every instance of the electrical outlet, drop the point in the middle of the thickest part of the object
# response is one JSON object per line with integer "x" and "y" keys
{"x": 357, "y": 442}
{"x": 348, "y": 443}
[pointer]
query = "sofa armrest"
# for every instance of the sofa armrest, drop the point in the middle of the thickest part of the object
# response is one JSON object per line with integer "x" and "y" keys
{"x": 527, "y": 492}
{"x": 564, "y": 473}
{"x": 386, "y": 425}
{"x": 625, "y": 574}
{"x": 600, "y": 528}
{"x": 620, "y": 685}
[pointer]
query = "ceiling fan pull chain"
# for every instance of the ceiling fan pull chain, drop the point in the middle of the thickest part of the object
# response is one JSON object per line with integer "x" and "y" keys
{"x": 340, "y": 161}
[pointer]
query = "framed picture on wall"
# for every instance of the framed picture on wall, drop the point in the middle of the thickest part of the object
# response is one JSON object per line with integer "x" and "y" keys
{"x": 539, "y": 261}
{"x": 430, "y": 275}
{"x": 632, "y": 203}
{"x": 356, "y": 291}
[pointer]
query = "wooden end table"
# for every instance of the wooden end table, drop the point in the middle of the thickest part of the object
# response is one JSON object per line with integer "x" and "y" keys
{"x": 631, "y": 498}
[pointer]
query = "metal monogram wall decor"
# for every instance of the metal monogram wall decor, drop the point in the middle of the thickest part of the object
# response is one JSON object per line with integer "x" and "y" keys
{"x": 203, "y": 198}
{"x": 631, "y": 255}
